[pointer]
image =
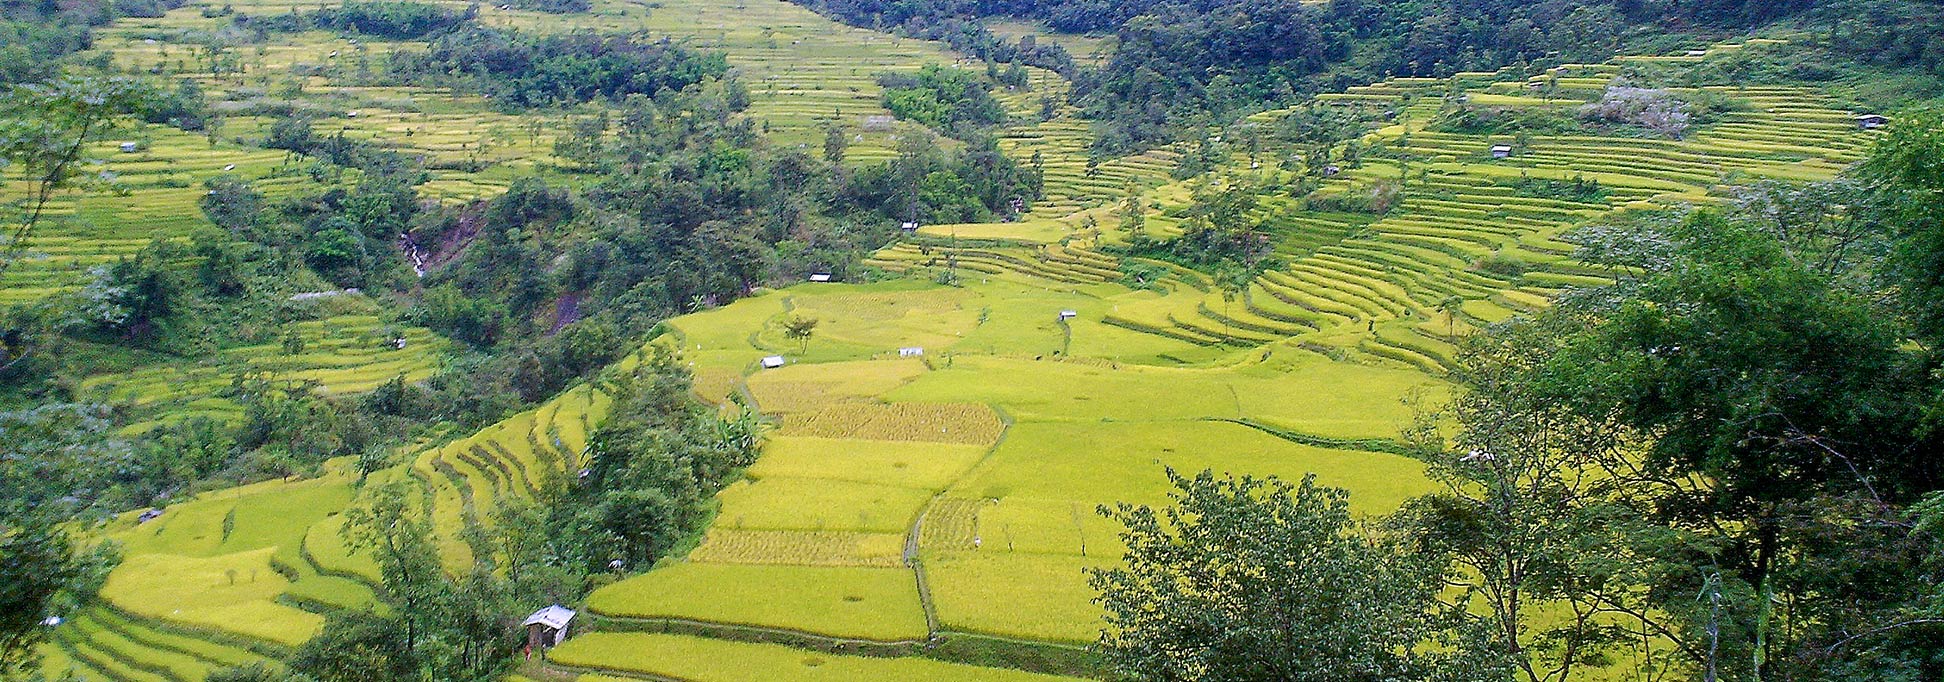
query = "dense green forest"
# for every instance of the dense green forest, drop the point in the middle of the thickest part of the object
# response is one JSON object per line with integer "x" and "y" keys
{"x": 1730, "y": 442}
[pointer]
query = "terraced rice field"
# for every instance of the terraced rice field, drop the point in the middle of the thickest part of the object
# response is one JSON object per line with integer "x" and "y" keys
{"x": 1312, "y": 368}
{"x": 163, "y": 183}
{"x": 164, "y": 179}
{"x": 1376, "y": 287}
{"x": 906, "y": 499}
{"x": 209, "y": 584}
{"x": 885, "y": 490}
{"x": 243, "y": 574}
{"x": 708, "y": 660}
{"x": 464, "y": 479}
{"x": 235, "y": 576}
{"x": 804, "y": 72}
{"x": 342, "y": 354}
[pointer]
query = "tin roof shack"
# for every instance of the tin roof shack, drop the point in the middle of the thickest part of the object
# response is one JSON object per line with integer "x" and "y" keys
{"x": 547, "y": 628}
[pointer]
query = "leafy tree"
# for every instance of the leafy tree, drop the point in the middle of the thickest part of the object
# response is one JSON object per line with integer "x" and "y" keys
{"x": 1762, "y": 417}
{"x": 1542, "y": 518}
{"x": 293, "y": 342}
{"x": 399, "y": 537}
{"x": 291, "y": 133}
{"x": 259, "y": 672}
{"x": 586, "y": 142}
{"x": 1246, "y": 579}
{"x": 651, "y": 474}
{"x": 555, "y": 6}
{"x": 520, "y": 70}
{"x": 1450, "y": 306}
{"x": 1133, "y": 217}
{"x": 1233, "y": 283}
{"x": 957, "y": 102}
{"x": 391, "y": 19}
{"x": 800, "y": 329}
{"x": 836, "y": 142}
{"x": 1220, "y": 232}
{"x": 35, "y": 36}
{"x": 357, "y": 647}
{"x": 1910, "y": 162}
{"x": 58, "y": 459}
{"x": 37, "y": 561}
{"x": 333, "y": 248}
{"x": 470, "y": 320}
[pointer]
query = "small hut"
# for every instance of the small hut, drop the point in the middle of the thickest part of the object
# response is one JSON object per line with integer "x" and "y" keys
{"x": 909, "y": 226}
{"x": 1068, "y": 315}
{"x": 1872, "y": 121}
{"x": 911, "y": 352}
{"x": 130, "y": 147}
{"x": 1501, "y": 151}
{"x": 820, "y": 277}
{"x": 773, "y": 362}
{"x": 149, "y": 515}
{"x": 547, "y": 628}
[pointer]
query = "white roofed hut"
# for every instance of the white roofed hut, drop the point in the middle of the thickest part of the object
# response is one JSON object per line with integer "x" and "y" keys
{"x": 1501, "y": 151}
{"x": 820, "y": 277}
{"x": 1872, "y": 121}
{"x": 547, "y": 628}
{"x": 773, "y": 362}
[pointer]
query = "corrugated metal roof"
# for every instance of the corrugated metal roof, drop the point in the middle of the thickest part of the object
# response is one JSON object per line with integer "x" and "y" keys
{"x": 555, "y": 617}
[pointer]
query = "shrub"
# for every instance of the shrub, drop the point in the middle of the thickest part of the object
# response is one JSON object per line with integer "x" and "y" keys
{"x": 1579, "y": 188}
{"x": 1376, "y": 198}
{"x": 554, "y": 6}
{"x": 954, "y": 101}
{"x": 1501, "y": 264}
{"x": 1473, "y": 120}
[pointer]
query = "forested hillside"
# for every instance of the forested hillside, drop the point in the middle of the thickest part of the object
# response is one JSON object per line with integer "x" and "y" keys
{"x": 1182, "y": 66}
{"x": 1009, "y": 340}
